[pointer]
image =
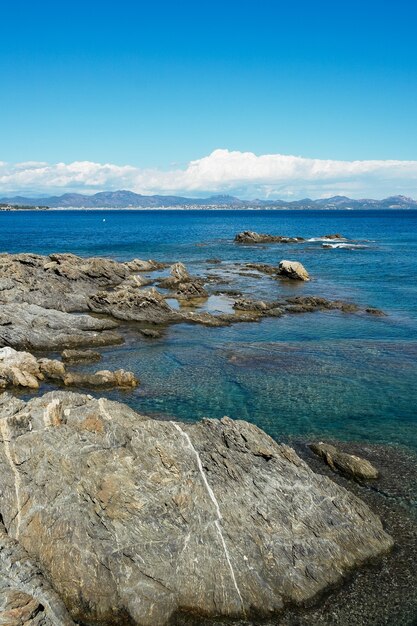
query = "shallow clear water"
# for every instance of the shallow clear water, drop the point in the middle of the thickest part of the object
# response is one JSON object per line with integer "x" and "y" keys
{"x": 322, "y": 374}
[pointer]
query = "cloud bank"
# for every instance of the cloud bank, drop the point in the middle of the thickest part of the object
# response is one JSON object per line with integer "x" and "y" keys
{"x": 241, "y": 173}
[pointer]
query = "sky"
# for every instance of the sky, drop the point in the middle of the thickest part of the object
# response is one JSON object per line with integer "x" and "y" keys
{"x": 259, "y": 98}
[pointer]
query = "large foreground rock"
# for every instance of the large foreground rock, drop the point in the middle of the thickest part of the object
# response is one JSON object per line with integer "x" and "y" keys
{"x": 134, "y": 520}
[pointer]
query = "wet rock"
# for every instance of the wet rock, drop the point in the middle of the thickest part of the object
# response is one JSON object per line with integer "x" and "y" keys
{"x": 336, "y": 236}
{"x": 80, "y": 356}
{"x": 293, "y": 270}
{"x": 251, "y": 237}
{"x": 28, "y": 326}
{"x": 264, "y": 268}
{"x": 152, "y": 333}
{"x": 245, "y": 304}
{"x": 103, "y": 379}
{"x": 348, "y": 464}
{"x": 135, "y": 520}
{"x": 376, "y": 312}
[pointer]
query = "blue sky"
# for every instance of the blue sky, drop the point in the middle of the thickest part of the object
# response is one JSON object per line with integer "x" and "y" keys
{"x": 157, "y": 85}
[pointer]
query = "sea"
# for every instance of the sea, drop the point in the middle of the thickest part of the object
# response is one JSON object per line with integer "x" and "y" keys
{"x": 328, "y": 375}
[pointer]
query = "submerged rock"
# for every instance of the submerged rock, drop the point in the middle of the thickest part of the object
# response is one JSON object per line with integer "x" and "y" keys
{"x": 80, "y": 356}
{"x": 103, "y": 378}
{"x": 293, "y": 270}
{"x": 249, "y": 236}
{"x": 348, "y": 464}
{"x": 136, "y": 520}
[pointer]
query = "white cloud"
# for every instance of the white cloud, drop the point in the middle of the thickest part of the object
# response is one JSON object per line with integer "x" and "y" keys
{"x": 241, "y": 173}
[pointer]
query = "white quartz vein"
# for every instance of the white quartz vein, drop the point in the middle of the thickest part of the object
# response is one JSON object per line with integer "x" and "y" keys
{"x": 213, "y": 498}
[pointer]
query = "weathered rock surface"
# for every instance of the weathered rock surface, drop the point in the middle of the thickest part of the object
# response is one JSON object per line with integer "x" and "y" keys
{"x": 135, "y": 520}
{"x": 293, "y": 270}
{"x": 134, "y": 305}
{"x": 26, "y": 597}
{"x": 249, "y": 236}
{"x": 184, "y": 286}
{"x": 348, "y": 464}
{"x": 28, "y": 326}
{"x": 57, "y": 281}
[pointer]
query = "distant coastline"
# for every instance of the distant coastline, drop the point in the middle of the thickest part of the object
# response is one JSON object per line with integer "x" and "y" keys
{"x": 128, "y": 200}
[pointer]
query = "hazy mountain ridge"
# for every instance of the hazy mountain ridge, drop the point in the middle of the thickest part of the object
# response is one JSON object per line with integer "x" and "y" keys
{"x": 128, "y": 199}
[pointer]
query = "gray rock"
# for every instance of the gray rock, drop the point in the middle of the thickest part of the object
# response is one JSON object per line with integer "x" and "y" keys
{"x": 135, "y": 520}
{"x": 63, "y": 281}
{"x": 28, "y": 326}
{"x": 349, "y": 464}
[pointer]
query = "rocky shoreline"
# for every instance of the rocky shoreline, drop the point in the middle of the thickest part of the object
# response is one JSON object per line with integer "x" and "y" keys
{"x": 112, "y": 517}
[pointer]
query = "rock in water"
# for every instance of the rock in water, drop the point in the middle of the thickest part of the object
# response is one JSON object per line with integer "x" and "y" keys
{"x": 184, "y": 286}
{"x": 348, "y": 464}
{"x": 249, "y": 236}
{"x": 134, "y": 520}
{"x": 293, "y": 270}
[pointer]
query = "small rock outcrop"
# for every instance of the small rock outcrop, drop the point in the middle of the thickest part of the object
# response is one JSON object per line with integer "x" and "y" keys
{"x": 249, "y": 236}
{"x": 293, "y": 270}
{"x": 136, "y": 520}
{"x": 183, "y": 285}
{"x": 348, "y": 464}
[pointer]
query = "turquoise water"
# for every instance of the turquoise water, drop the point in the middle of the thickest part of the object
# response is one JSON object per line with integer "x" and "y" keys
{"x": 322, "y": 374}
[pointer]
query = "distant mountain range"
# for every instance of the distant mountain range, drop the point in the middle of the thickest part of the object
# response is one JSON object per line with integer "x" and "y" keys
{"x": 129, "y": 199}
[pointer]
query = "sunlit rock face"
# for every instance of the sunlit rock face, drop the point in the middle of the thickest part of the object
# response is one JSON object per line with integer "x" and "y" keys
{"x": 133, "y": 519}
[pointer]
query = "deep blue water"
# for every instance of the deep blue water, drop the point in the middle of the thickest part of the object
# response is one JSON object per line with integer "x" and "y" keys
{"x": 322, "y": 374}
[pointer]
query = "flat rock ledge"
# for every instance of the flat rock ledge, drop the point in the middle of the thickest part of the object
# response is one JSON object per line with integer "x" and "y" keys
{"x": 136, "y": 521}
